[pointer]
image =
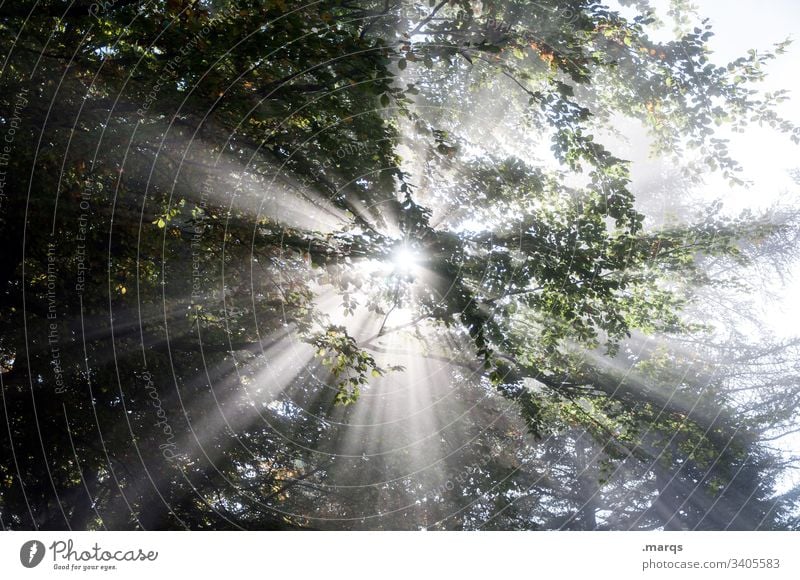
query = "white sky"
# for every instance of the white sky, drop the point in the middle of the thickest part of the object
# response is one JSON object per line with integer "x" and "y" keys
{"x": 766, "y": 155}
{"x": 748, "y": 24}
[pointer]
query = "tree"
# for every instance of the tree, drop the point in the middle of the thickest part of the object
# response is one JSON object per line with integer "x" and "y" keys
{"x": 231, "y": 188}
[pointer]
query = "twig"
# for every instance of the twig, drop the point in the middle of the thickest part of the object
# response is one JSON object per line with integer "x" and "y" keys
{"x": 428, "y": 18}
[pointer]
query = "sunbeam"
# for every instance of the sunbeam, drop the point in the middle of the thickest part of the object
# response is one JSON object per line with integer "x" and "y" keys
{"x": 397, "y": 266}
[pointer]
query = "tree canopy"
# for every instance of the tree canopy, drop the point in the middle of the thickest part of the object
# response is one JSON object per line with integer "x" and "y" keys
{"x": 380, "y": 264}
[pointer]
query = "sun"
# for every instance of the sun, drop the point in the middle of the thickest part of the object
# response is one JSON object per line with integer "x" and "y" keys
{"x": 405, "y": 259}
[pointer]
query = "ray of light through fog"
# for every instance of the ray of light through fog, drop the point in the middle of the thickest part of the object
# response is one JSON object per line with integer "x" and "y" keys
{"x": 430, "y": 418}
{"x": 415, "y": 416}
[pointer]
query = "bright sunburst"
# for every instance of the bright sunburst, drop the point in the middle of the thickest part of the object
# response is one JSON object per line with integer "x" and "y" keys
{"x": 405, "y": 259}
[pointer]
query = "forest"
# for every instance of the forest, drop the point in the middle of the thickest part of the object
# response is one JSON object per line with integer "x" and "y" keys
{"x": 392, "y": 265}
